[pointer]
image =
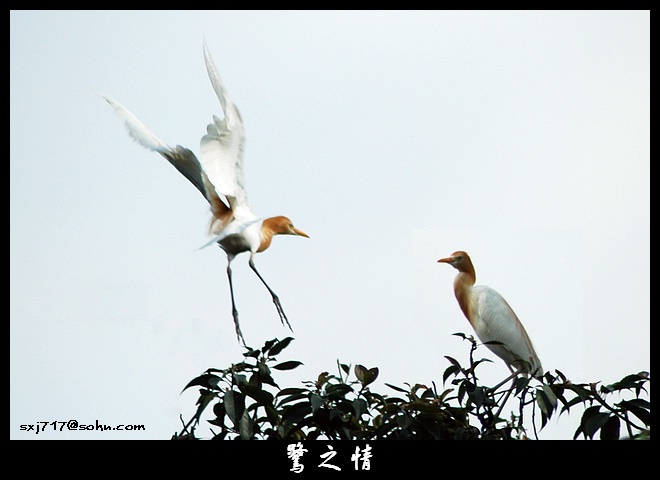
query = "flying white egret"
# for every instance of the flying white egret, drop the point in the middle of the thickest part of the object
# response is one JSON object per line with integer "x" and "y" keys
{"x": 218, "y": 175}
{"x": 493, "y": 320}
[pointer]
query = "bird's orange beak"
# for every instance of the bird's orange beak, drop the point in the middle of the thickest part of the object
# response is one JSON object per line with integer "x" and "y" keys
{"x": 446, "y": 260}
{"x": 300, "y": 233}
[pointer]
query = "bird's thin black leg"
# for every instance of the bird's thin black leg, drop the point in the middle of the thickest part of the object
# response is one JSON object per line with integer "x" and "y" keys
{"x": 276, "y": 299}
{"x": 234, "y": 312}
{"x": 506, "y": 398}
{"x": 514, "y": 374}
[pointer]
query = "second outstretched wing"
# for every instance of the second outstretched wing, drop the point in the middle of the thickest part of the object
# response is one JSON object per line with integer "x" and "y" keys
{"x": 221, "y": 149}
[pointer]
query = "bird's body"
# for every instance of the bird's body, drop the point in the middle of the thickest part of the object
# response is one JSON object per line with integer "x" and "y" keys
{"x": 218, "y": 175}
{"x": 492, "y": 319}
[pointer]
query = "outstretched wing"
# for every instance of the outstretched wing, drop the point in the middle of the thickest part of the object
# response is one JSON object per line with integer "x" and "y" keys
{"x": 222, "y": 147}
{"x": 180, "y": 157}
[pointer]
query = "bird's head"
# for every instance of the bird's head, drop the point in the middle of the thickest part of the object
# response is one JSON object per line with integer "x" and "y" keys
{"x": 277, "y": 226}
{"x": 459, "y": 260}
{"x": 283, "y": 226}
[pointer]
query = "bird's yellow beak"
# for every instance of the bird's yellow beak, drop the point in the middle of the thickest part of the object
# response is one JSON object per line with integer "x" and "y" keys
{"x": 446, "y": 260}
{"x": 300, "y": 233}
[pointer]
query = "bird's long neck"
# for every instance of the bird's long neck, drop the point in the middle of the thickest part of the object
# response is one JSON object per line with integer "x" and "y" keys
{"x": 463, "y": 284}
{"x": 270, "y": 227}
{"x": 267, "y": 233}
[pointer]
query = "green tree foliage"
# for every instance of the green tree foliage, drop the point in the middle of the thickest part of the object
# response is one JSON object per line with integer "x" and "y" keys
{"x": 247, "y": 403}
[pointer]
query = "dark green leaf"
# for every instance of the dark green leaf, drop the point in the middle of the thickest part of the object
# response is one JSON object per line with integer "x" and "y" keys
{"x": 293, "y": 397}
{"x": 461, "y": 392}
{"x": 246, "y": 427}
{"x": 205, "y": 380}
{"x": 234, "y": 405}
{"x": 520, "y": 383}
{"x": 592, "y": 420}
{"x": 639, "y": 402}
{"x": 263, "y": 369}
{"x": 610, "y": 430}
{"x": 338, "y": 390}
{"x": 267, "y": 346}
{"x": 316, "y": 401}
{"x": 398, "y": 389}
{"x": 582, "y": 392}
{"x": 477, "y": 395}
{"x": 272, "y": 415}
{"x": 281, "y": 345}
{"x": 488, "y": 360}
{"x": 252, "y": 353}
{"x": 242, "y": 366}
{"x": 558, "y": 391}
{"x": 469, "y": 386}
{"x": 344, "y": 367}
{"x": 359, "y": 407}
{"x": 628, "y": 382}
{"x": 240, "y": 379}
{"x": 428, "y": 394}
{"x": 454, "y": 362}
{"x": 219, "y": 411}
{"x": 364, "y": 375}
{"x": 204, "y": 399}
{"x": 296, "y": 412}
{"x": 372, "y": 374}
{"x": 290, "y": 365}
{"x": 444, "y": 394}
{"x": 255, "y": 380}
{"x": 561, "y": 375}
{"x": 216, "y": 422}
{"x": 373, "y": 397}
{"x": 262, "y": 397}
{"x": 449, "y": 371}
{"x": 359, "y": 371}
{"x": 571, "y": 403}
{"x": 636, "y": 377}
{"x": 640, "y": 412}
{"x": 404, "y": 421}
{"x": 290, "y": 390}
{"x": 546, "y": 400}
{"x": 264, "y": 374}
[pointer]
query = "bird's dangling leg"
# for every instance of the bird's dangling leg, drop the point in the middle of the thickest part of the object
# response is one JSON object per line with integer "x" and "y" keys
{"x": 234, "y": 312}
{"x": 276, "y": 299}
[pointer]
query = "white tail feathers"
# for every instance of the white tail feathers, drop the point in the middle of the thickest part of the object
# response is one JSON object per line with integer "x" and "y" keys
{"x": 137, "y": 129}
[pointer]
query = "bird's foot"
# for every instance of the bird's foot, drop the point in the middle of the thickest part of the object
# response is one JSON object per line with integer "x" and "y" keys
{"x": 280, "y": 311}
{"x": 239, "y": 334}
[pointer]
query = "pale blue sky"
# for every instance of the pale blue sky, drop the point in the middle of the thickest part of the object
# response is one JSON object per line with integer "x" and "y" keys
{"x": 391, "y": 138}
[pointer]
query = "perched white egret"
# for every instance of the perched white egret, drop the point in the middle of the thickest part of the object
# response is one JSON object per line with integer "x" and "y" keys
{"x": 218, "y": 175}
{"x": 493, "y": 320}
